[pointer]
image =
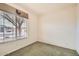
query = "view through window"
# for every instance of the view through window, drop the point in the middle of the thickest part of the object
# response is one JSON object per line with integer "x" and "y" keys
{"x": 12, "y": 27}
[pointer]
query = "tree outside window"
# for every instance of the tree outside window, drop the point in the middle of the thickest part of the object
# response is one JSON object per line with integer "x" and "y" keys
{"x": 12, "y": 27}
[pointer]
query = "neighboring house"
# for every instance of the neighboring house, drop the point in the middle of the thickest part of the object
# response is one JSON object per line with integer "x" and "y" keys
{"x": 5, "y": 28}
{"x": 8, "y": 31}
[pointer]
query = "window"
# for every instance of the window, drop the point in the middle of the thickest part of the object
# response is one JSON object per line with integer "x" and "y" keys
{"x": 12, "y": 27}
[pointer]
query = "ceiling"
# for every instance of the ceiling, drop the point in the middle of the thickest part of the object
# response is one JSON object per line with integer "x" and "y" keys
{"x": 43, "y": 8}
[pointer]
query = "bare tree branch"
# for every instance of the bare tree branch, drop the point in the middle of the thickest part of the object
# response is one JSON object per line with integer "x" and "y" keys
{"x": 9, "y": 19}
{"x": 20, "y": 21}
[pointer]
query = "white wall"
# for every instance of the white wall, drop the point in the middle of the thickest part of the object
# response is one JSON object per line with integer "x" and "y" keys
{"x": 58, "y": 28}
{"x": 77, "y": 27}
{"x": 12, "y": 46}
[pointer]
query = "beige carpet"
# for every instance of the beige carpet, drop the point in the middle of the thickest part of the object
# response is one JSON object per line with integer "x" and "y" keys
{"x": 42, "y": 49}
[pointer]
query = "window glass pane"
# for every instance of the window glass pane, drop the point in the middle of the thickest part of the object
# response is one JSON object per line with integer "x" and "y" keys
{"x": 9, "y": 27}
{"x": 23, "y": 28}
{"x": 1, "y": 27}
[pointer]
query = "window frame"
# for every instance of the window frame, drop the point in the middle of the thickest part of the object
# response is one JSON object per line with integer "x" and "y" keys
{"x": 16, "y": 28}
